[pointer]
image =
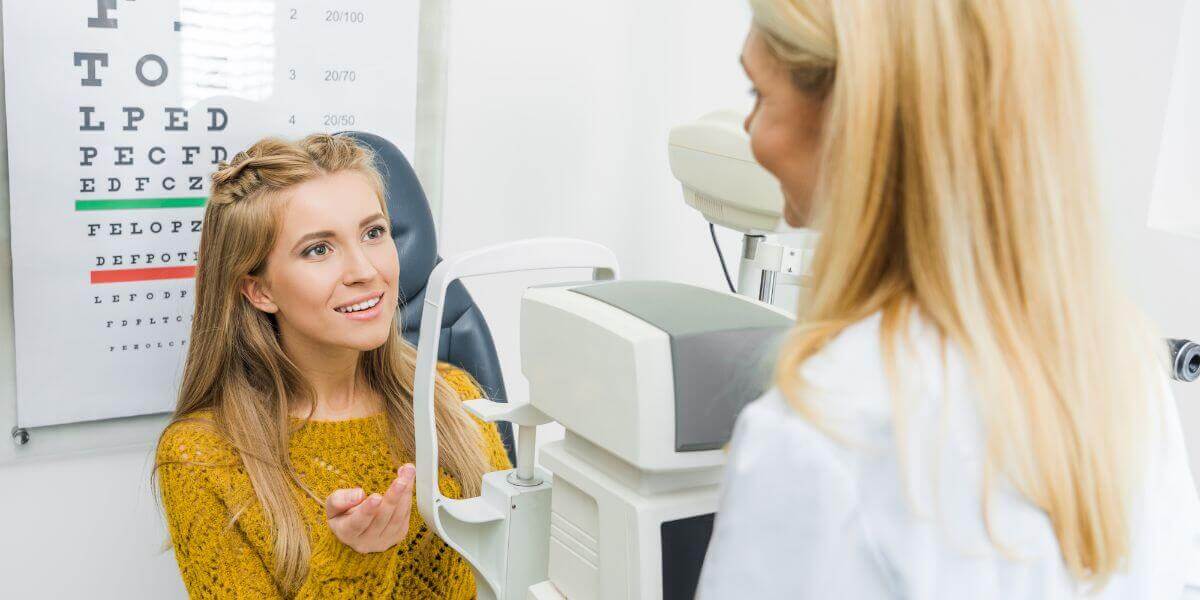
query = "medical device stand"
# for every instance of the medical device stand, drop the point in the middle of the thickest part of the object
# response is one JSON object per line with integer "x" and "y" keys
{"x": 513, "y": 509}
{"x": 766, "y": 265}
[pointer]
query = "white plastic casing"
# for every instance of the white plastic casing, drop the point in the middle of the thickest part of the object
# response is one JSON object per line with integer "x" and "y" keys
{"x": 711, "y": 157}
{"x": 606, "y": 376}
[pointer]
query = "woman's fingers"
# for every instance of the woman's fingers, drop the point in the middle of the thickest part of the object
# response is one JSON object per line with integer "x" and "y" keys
{"x": 382, "y": 515}
{"x": 360, "y": 522}
{"x": 341, "y": 501}
{"x": 376, "y": 522}
{"x": 398, "y": 525}
{"x": 393, "y": 498}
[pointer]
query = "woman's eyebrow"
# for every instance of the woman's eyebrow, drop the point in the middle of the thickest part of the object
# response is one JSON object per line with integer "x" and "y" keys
{"x": 312, "y": 236}
{"x": 374, "y": 217}
{"x": 326, "y": 233}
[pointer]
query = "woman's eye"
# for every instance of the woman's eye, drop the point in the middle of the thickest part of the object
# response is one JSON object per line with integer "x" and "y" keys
{"x": 380, "y": 228}
{"x": 311, "y": 251}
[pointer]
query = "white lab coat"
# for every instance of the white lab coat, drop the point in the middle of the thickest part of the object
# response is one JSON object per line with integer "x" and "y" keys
{"x": 802, "y": 516}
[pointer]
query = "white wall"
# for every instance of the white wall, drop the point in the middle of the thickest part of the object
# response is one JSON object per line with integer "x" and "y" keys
{"x": 557, "y": 126}
{"x": 1129, "y": 49}
{"x": 74, "y": 523}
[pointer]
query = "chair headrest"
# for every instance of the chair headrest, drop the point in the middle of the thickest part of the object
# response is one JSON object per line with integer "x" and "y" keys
{"x": 411, "y": 221}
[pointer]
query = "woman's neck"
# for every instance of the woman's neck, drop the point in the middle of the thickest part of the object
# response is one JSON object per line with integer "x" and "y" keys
{"x": 337, "y": 381}
{"x": 339, "y": 399}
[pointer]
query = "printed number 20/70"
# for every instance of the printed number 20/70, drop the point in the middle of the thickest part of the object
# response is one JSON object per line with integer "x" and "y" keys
{"x": 333, "y": 75}
{"x": 343, "y": 75}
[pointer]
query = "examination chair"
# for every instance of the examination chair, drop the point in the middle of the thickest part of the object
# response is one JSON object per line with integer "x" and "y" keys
{"x": 466, "y": 341}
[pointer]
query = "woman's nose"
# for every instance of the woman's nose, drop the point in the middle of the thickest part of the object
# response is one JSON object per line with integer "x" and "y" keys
{"x": 358, "y": 266}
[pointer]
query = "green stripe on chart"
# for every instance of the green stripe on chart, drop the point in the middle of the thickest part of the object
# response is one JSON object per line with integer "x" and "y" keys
{"x": 135, "y": 203}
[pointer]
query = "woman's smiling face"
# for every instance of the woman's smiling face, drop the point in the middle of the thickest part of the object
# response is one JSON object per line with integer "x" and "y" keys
{"x": 333, "y": 253}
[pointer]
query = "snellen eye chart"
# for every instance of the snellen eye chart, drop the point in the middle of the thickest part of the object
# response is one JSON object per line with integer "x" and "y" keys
{"x": 117, "y": 112}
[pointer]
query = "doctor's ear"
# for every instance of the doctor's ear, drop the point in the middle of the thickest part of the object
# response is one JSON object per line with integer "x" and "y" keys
{"x": 256, "y": 292}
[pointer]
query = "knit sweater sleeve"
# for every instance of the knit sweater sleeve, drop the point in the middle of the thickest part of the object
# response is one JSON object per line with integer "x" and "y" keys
{"x": 467, "y": 389}
{"x": 216, "y": 560}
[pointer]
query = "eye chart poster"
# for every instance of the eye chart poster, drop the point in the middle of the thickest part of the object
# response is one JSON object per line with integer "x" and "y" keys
{"x": 117, "y": 112}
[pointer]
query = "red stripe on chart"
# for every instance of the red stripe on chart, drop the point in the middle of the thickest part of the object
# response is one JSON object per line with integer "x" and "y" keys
{"x": 151, "y": 274}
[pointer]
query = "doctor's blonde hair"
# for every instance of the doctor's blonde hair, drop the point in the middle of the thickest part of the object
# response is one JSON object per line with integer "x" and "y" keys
{"x": 236, "y": 366}
{"x": 956, "y": 181}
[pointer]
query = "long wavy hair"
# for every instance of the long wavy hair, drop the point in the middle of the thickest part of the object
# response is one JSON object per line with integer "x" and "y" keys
{"x": 237, "y": 368}
{"x": 957, "y": 183}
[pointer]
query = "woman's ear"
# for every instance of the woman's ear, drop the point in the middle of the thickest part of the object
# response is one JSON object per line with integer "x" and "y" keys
{"x": 257, "y": 293}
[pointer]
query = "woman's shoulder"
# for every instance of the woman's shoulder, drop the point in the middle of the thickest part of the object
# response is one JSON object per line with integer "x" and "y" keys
{"x": 468, "y": 389}
{"x": 195, "y": 438}
{"x": 462, "y": 381}
{"x": 851, "y": 376}
{"x": 861, "y": 347}
{"x": 771, "y": 431}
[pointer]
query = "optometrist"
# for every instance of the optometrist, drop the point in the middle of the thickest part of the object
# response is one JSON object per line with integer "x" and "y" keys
{"x": 969, "y": 406}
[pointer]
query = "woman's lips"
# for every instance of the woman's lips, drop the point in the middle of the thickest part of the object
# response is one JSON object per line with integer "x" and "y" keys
{"x": 368, "y": 314}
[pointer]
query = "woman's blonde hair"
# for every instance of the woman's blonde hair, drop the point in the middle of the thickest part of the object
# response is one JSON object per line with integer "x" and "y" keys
{"x": 956, "y": 182}
{"x": 237, "y": 368}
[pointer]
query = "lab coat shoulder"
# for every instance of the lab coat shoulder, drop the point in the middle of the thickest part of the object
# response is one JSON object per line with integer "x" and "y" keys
{"x": 846, "y": 383}
{"x": 790, "y": 523}
{"x": 868, "y": 514}
{"x": 800, "y": 513}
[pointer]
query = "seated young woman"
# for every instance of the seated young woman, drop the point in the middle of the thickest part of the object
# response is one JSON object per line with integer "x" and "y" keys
{"x": 286, "y": 470}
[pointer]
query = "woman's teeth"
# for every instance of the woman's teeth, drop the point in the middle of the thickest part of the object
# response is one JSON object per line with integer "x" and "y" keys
{"x": 359, "y": 306}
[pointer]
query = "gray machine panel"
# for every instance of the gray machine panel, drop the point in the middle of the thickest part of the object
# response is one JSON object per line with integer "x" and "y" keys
{"x": 722, "y": 351}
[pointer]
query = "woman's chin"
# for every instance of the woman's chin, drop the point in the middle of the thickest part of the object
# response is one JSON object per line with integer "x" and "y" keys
{"x": 795, "y": 209}
{"x": 368, "y": 343}
{"x": 363, "y": 340}
{"x": 792, "y": 219}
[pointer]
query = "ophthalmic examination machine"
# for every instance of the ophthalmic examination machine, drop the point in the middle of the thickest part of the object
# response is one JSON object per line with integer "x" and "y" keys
{"x": 646, "y": 378}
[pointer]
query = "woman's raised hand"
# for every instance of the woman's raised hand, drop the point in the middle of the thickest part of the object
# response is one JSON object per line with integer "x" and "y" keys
{"x": 376, "y": 523}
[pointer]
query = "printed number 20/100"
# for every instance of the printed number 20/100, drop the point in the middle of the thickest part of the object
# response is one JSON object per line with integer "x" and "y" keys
{"x": 344, "y": 16}
{"x": 336, "y": 16}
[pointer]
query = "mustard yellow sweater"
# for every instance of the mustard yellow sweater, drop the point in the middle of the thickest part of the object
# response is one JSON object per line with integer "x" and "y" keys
{"x": 237, "y": 563}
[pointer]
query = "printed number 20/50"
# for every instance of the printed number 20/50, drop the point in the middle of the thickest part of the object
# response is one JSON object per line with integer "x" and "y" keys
{"x": 338, "y": 120}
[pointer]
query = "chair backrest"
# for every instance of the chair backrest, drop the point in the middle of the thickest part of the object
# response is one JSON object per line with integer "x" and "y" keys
{"x": 466, "y": 340}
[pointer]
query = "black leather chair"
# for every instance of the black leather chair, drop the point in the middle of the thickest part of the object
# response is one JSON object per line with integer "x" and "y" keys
{"x": 466, "y": 340}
